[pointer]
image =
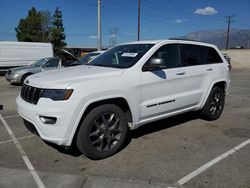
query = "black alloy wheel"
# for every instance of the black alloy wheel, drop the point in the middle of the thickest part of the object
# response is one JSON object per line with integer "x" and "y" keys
{"x": 105, "y": 131}
{"x": 214, "y": 105}
{"x": 102, "y": 132}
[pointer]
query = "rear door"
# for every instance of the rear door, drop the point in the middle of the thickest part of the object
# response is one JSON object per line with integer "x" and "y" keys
{"x": 213, "y": 65}
{"x": 163, "y": 91}
{"x": 196, "y": 73}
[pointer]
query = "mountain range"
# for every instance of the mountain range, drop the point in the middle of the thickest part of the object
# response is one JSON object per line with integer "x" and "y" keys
{"x": 238, "y": 37}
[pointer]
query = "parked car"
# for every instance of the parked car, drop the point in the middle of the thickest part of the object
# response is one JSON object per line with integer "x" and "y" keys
{"x": 18, "y": 75}
{"x": 14, "y": 54}
{"x": 90, "y": 56}
{"x": 85, "y": 59}
{"x": 132, "y": 84}
{"x": 69, "y": 59}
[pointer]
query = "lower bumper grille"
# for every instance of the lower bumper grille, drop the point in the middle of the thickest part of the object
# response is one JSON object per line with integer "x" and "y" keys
{"x": 30, "y": 127}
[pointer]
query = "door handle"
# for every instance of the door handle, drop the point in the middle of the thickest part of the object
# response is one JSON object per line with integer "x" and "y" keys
{"x": 209, "y": 69}
{"x": 180, "y": 73}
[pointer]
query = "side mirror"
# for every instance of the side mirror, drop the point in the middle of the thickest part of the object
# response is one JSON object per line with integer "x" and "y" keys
{"x": 154, "y": 64}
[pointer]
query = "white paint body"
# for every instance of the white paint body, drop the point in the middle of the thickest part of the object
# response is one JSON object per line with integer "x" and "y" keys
{"x": 13, "y": 54}
{"x": 186, "y": 92}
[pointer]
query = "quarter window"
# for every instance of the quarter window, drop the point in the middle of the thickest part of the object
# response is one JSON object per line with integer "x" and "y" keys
{"x": 211, "y": 55}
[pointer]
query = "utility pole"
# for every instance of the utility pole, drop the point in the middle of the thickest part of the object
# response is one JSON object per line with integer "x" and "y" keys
{"x": 139, "y": 20}
{"x": 229, "y": 21}
{"x": 99, "y": 29}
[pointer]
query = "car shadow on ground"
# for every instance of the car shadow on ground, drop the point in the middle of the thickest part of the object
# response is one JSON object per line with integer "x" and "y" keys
{"x": 16, "y": 84}
{"x": 163, "y": 124}
{"x": 137, "y": 133}
{"x": 160, "y": 125}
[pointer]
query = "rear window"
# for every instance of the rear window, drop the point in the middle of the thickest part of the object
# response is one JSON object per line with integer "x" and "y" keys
{"x": 198, "y": 55}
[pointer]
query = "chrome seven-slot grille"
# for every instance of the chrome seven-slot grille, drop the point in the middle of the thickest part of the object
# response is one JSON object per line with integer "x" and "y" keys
{"x": 31, "y": 94}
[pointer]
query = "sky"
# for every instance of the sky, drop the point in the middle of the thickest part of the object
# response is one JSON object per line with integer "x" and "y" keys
{"x": 160, "y": 19}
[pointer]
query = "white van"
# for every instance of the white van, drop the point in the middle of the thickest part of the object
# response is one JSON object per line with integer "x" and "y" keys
{"x": 13, "y": 54}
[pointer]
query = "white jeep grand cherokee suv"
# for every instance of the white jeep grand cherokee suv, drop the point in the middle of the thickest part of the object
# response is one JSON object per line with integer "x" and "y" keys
{"x": 129, "y": 85}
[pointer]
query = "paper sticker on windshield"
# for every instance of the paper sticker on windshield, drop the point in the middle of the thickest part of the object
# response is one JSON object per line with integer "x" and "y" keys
{"x": 129, "y": 54}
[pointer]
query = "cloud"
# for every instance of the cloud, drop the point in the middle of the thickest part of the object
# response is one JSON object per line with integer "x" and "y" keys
{"x": 92, "y": 37}
{"x": 129, "y": 33}
{"x": 112, "y": 35}
{"x": 206, "y": 11}
{"x": 178, "y": 21}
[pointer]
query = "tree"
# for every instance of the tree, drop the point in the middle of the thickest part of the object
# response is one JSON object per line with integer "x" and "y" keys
{"x": 38, "y": 26}
{"x": 46, "y": 25}
{"x": 57, "y": 33}
{"x": 34, "y": 28}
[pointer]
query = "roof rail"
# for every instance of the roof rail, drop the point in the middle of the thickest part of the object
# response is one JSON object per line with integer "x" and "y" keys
{"x": 185, "y": 39}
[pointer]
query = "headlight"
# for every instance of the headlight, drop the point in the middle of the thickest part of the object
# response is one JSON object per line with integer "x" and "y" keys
{"x": 57, "y": 94}
{"x": 16, "y": 72}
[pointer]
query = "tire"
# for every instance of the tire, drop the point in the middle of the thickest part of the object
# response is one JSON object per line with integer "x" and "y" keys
{"x": 25, "y": 76}
{"x": 214, "y": 104}
{"x": 102, "y": 132}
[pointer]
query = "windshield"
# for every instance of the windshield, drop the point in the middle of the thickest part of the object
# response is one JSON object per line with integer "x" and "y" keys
{"x": 39, "y": 62}
{"x": 123, "y": 56}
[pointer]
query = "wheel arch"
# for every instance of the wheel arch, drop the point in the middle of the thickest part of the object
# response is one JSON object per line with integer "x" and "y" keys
{"x": 221, "y": 84}
{"x": 119, "y": 101}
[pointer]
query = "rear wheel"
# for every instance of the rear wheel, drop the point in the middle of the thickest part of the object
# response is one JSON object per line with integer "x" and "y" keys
{"x": 214, "y": 104}
{"x": 102, "y": 132}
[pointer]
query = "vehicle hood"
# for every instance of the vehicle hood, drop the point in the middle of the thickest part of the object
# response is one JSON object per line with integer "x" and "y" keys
{"x": 64, "y": 77}
{"x": 24, "y": 69}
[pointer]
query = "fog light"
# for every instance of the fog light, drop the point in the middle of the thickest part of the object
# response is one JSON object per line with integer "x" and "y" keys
{"x": 48, "y": 120}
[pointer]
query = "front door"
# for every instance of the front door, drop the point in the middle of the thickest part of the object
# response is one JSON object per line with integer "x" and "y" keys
{"x": 163, "y": 91}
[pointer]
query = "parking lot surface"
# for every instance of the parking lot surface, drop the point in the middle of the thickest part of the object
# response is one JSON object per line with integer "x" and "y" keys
{"x": 181, "y": 151}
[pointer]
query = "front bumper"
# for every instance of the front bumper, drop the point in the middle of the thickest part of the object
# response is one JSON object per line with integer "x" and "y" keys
{"x": 13, "y": 78}
{"x": 59, "y": 133}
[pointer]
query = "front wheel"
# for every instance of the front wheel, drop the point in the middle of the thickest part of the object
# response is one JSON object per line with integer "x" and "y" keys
{"x": 102, "y": 132}
{"x": 214, "y": 104}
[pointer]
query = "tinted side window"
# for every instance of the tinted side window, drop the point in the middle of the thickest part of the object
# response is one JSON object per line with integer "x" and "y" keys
{"x": 171, "y": 55}
{"x": 192, "y": 55}
{"x": 211, "y": 55}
